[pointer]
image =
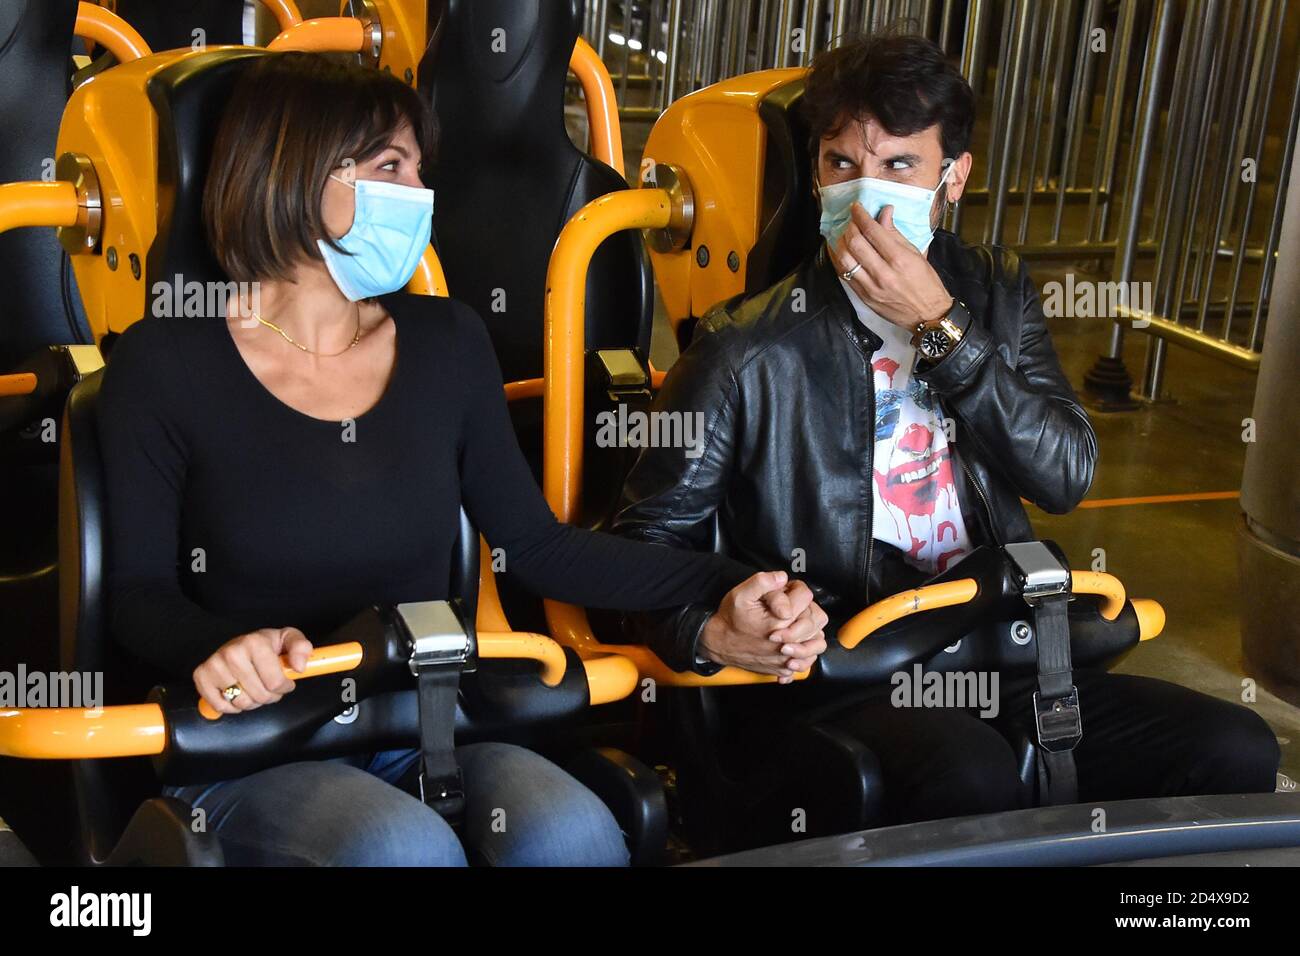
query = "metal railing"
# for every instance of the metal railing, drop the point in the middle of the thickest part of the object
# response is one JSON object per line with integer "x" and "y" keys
{"x": 1143, "y": 137}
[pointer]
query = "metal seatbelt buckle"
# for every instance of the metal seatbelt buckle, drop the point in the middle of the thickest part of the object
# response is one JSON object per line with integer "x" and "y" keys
{"x": 449, "y": 789}
{"x": 436, "y": 633}
{"x": 1059, "y": 721}
{"x": 1040, "y": 572}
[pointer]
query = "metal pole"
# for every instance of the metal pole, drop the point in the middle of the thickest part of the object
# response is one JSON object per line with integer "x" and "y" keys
{"x": 1035, "y": 120}
{"x": 1004, "y": 71}
{"x": 760, "y": 38}
{"x": 602, "y": 26}
{"x": 1087, "y": 67}
{"x": 1255, "y": 111}
{"x": 812, "y": 16}
{"x": 1234, "y": 97}
{"x": 1027, "y": 82}
{"x": 627, "y": 52}
{"x": 946, "y": 20}
{"x": 971, "y": 41}
{"x": 784, "y": 32}
{"x": 1108, "y": 378}
{"x": 1105, "y": 161}
{"x": 693, "y": 82}
{"x": 673, "y": 46}
{"x": 993, "y": 231}
{"x": 839, "y": 21}
{"x": 1191, "y": 154}
{"x": 1179, "y": 103}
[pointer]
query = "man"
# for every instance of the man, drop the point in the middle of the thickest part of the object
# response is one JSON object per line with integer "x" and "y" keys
{"x": 877, "y": 415}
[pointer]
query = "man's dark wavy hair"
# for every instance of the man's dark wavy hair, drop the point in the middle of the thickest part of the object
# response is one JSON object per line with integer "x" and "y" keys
{"x": 901, "y": 79}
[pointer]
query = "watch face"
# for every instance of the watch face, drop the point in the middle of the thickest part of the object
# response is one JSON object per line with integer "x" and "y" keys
{"x": 935, "y": 343}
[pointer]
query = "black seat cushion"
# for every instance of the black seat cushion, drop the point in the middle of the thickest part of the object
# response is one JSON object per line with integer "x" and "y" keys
{"x": 40, "y": 305}
{"x": 790, "y": 214}
{"x": 189, "y": 98}
{"x": 108, "y": 791}
{"x": 508, "y": 178}
{"x": 171, "y": 25}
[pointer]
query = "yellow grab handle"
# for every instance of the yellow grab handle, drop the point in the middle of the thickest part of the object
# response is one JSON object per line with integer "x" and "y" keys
{"x": 429, "y": 279}
{"x": 323, "y": 35}
{"x": 285, "y": 12}
{"x": 525, "y": 388}
{"x": 1098, "y": 582}
{"x": 110, "y": 31}
{"x": 905, "y": 603}
{"x": 330, "y": 659}
{"x": 521, "y": 644}
{"x": 566, "y": 326}
{"x": 19, "y": 383}
{"x": 37, "y": 204}
{"x": 71, "y": 733}
{"x": 602, "y": 107}
{"x": 610, "y": 678}
{"x": 1151, "y": 617}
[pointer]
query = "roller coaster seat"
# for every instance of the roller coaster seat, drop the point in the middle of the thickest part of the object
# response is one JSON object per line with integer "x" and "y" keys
{"x": 121, "y": 816}
{"x": 43, "y": 333}
{"x": 41, "y": 309}
{"x": 508, "y": 178}
{"x": 741, "y": 796}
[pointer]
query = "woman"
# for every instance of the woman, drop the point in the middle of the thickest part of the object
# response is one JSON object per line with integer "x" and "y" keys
{"x": 271, "y": 473}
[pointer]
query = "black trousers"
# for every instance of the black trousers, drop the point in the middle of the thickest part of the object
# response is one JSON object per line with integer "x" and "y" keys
{"x": 1141, "y": 738}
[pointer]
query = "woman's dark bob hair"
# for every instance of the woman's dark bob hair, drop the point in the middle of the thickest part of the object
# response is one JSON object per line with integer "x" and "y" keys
{"x": 292, "y": 119}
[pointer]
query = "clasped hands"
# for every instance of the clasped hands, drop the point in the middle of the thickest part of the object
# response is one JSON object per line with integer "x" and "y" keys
{"x": 768, "y": 624}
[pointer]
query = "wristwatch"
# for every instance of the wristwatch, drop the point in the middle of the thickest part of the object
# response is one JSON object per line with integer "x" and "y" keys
{"x": 938, "y": 337}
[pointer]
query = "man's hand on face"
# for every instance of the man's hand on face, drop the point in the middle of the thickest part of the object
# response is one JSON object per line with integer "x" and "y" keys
{"x": 896, "y": 280}
{"x": 766, "y": 624}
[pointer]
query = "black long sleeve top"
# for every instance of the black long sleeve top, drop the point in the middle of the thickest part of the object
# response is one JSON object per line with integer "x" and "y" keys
{"x": 230, "y": 511}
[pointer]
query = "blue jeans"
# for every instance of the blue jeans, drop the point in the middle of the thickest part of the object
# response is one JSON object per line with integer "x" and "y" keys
{"x": 520, "y": 810}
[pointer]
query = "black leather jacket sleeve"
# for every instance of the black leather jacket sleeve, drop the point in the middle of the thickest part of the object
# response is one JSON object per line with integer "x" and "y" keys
{"x": 672, "y": 498}
{"x": 1024, "y": 420}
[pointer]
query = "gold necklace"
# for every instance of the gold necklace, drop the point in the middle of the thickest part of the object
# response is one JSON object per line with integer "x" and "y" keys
{"x": 298, "y": 345}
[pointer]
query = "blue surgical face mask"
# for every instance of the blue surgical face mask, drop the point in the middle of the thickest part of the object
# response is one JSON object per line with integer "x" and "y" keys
{"x": 390, "y": 231}
{"x": 912, "y": 206}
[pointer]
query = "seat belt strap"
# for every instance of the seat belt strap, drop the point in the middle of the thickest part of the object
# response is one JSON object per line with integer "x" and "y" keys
{"x": 442, "y": 646}
{"x": 442, "y": 786}
{"x": 1057, "y": 717}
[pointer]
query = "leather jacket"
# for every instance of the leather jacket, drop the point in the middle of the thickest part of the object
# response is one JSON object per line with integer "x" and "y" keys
{"x": 782, "y": 477}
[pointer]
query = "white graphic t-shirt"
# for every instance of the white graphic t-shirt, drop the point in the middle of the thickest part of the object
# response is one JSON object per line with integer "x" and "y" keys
{"x": 915, "y": 504}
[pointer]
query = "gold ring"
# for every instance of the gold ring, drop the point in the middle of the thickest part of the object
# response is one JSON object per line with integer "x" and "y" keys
{"x": 231, "y": 692}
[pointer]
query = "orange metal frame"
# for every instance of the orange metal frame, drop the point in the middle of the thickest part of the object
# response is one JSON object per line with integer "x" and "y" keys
{"x": 110, "y": 31}
{"x": 602, "y": 107}
{"x": 718, "y": 137}
{"x": 563, "y": 384}
{"x": 1150, "y": 615}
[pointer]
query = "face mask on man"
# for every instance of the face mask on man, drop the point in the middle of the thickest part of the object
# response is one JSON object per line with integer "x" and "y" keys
{"x": 390, "y": 231}
{"x": 912, "y": 205}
